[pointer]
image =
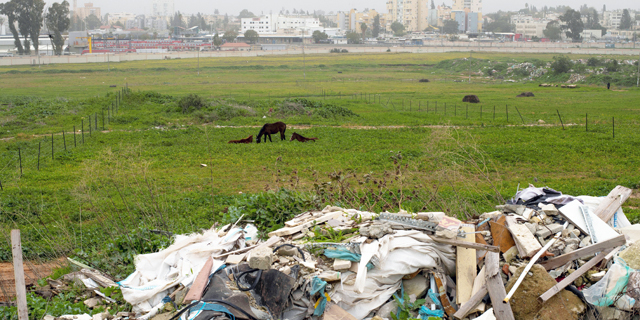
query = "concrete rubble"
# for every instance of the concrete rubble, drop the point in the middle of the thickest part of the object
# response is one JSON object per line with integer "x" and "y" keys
{"x": 540, "y": 255}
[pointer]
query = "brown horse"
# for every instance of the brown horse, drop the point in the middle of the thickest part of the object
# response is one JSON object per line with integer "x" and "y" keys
{"x": 245, "y": 140}
{"x": 271, "y": 128}
{"x": 300, "y": 138}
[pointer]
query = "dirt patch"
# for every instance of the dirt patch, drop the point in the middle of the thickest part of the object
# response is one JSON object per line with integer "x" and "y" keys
{"x": 32, "y": 272}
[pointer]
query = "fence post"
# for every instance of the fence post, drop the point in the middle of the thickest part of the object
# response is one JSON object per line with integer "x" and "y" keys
{"x": 74, "y": 137}
{"x": 445, "y": 108}
{"x": 89, "y": 125}
{"x": 64, "y": 140}
{"x": 613, "y": 120}
{"x": 102, "y": 120}
{"x": 467, "y": 116}
{"x": 419, "y": 105}
{"x": 82, "y": 121}
{"x": 455, "y": 110}
{"x": 52, "y": 146}
{"x": 95, "y": 116}
{"x": 18, "y": 273}
{"x": 586, "y": 122}
{"x": 559, "y": 117}
{"x": 20, "y": 161}
{"x": 507, "y": 111}
{"x": 39, "y": 144}
{"x": 520, "y": 115}
{"x": 494, "y": 113}
{"x": 480, "y": 112}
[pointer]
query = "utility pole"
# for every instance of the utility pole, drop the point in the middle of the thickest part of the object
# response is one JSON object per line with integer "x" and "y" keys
{"x": 470, "y": 67}
{"x": 304, "y": 62}
{"x": 638, "y": 74}
{"x": 198, "y": 60}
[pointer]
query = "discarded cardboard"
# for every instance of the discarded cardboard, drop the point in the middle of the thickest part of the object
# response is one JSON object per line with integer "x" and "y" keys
{"x": 334, "y": 312}
{"x": 501, "y": 235}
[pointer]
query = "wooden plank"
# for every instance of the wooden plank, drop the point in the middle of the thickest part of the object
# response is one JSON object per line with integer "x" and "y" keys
{"x": 289, "y": 231}
{"x": 465, "y": 266}
{"x": 465, "y": 244}
{"x": 572, "y": 277}
{"x": 583, "y": 252}
{"x": 334, "y": 312}
{"x": 612, "y": 203}
{"x": 495, "y": 287}
{"x": 475, "y": 300}
{"x": 18, "y": 273}
{"x": 444, "y": 299}
{"x": 195, "y": 293}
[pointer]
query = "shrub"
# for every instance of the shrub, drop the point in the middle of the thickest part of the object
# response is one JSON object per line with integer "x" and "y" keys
{"x": 593, "y": 62}
{"x": 613, "y": 66}
{"x": 561, "y": 64}
{"x": 191, "y": 103}
{"x": 344, "y": 51}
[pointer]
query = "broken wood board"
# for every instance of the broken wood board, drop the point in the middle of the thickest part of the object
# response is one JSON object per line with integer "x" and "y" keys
{"x": 195, "y": 293}
{"x": 444, "y": 299}
{"x": 501, "y": 235}
{"x": 465, "y": 244}
{"x": 291, "y": 230}
{"x": 583, "y": 252}
{"x": 573, "y": 276}
{"x": 495, "y": 287}
{"x": 475, "y": 300}
{"x": 608, "y": 207}
{"x": 478, "y": 284}
{"x": 573, "y": 213}
{"x": 334, "y": 312}
{"x": 526, "y": 242}
{"x": 465, "y": 266}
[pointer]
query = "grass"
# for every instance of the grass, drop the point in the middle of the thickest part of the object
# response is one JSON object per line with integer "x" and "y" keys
{"x": 143, "y": 172}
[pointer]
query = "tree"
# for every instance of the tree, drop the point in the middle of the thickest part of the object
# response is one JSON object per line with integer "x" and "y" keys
{"x": 433, "y": 5}
{"x": 246, "y": 14}
{"x": 119, "y": 24}
{"x": 58, "y": 22}
{"x": 573, "y": 24}
{"x": 92, "y": 22}
{"x": 353, "y": 37}
{"x": 9, "y": 9}
{"x": 30, "y": 21}
{"x": 318, "y": 36}
{"x": 375, "y": 32}
{"x": 501, "y": 22}
{"x": 397, "y": 28}
{"x": 625, "y": 21}
{"x": 230, "y": 35}
{"x": 216, "y": 12}
{"x": 561, "y": 64}
{"x": 450, "y": 27}
{"x": 363, "y": 27}
{"x": 251, "y": 36}
{"x": 553, "y": 31}
{"x": 216, "y": 40}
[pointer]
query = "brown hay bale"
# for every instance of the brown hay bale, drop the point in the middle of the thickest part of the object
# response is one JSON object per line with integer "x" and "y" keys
{"x": 525, "y": 94}
{"x": 472, "y": 98}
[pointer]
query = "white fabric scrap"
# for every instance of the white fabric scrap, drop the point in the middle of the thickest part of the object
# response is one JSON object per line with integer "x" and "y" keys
{"x": 402, "y": 253}
{"x": 157, "y": 273}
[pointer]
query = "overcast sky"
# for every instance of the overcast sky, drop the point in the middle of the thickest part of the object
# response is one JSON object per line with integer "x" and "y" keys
{"x": 261, "y": 6}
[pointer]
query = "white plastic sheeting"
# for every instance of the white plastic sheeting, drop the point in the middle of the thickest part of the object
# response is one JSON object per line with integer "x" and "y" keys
{"x": 402, "y": 253}
{"x": 157, "y": 273}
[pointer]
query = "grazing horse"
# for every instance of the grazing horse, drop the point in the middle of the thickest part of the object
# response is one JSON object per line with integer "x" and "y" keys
{"x": 300, "y": 138}
{"x": 271, "y": 128}
{"x": 245, "y": 140}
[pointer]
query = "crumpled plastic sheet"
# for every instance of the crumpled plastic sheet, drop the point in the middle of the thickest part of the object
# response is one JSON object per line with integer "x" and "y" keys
{"x": 345, "y": 254}
{"x": 157, "y": 273}
{"x": 317, "y": 286}
{"x": 611, "y": 288}
{"x": 402, "y": 253}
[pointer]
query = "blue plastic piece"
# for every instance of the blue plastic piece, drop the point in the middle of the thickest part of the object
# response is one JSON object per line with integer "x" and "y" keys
{"x": 318, "y": 285}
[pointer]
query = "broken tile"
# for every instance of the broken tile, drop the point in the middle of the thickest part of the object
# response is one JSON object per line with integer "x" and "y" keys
{"x": 339, "y": 264}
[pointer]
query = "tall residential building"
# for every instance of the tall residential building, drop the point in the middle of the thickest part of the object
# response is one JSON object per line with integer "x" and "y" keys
{"x": 413, "y": 14}
{"x": 472, "y": 10}
{"x": 472, "y": 5}
{"x": 162, "y": 8}
{"x": 87, "y": 10}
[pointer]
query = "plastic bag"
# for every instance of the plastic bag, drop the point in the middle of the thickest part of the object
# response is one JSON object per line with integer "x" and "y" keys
{"x": 345, "y": 254}
{"x": 606, "y": 291}
{"x": 317, "y": 286}
{"x": 250, "y": 232}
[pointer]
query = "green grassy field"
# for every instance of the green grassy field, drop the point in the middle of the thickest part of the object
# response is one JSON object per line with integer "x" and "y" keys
{"x": 143, "y": 171}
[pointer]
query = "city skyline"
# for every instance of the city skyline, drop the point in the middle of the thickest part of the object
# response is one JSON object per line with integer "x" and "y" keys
{"x": 261, "y": 7}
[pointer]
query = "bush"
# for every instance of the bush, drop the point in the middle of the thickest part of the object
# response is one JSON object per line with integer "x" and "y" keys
{"x": 593, "y": 62}
{"x": 191, "y": 103}
{"x": 613, "y": 66}
{"x": 344, "y": 51}
{"x": 334, "y": 50}
{"x": 561, "y": 64}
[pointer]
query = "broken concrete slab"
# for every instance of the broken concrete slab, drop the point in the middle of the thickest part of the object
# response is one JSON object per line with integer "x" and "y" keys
{"x": 261, "y": 258}
{"x": 548, "y": 230}
{"x": 525, "y": 241}
{"x": 511, "y": 254}
{"x": 377, "y": 230}
{"x": 525, "y": 304}
{"x": 417, "y": 286}
{"x": 339, "y": 264}
{"x": 91, "y": 302}
{"x": 631, "y": 255}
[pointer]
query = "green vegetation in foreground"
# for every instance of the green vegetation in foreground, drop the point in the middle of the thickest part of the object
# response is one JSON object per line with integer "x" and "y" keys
{"x": 121, "y": 191}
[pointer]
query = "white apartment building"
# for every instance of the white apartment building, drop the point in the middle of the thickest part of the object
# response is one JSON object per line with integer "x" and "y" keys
{"x": 472, "y": 5}
{"x": 162, "y": 8}
{"x": 273, "y": 23}
{"x": 413, "y": 14}
{"x": 529, "y": 26}
{"x": 121, "y": 17}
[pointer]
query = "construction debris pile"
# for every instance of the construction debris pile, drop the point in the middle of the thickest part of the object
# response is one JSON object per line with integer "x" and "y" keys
{"x": 541, "y": 255}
